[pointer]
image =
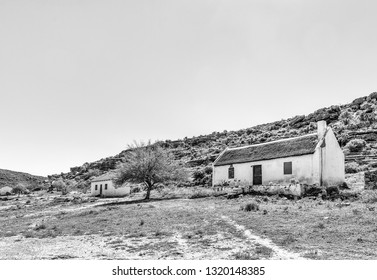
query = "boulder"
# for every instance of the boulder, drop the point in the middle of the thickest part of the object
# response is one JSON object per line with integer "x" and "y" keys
{"x": 294, "y": 122}
{"x": 5, "y": 190}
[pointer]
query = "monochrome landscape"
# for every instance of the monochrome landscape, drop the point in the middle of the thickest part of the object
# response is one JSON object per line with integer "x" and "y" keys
{"x": 57, "y": 217}
{"x": 188, "y": 130}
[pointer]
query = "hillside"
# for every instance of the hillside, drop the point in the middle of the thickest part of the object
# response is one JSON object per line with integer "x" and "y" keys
{"x": 11, "y": 178}
{"x": 354, "y": 125}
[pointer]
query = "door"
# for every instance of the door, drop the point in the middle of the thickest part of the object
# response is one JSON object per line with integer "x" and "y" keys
{"x": 100, "y": 190}
{"x": 257, "y": 175}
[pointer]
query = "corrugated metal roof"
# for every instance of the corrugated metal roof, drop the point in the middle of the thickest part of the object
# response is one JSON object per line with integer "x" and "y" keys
{"x": 277, "y": 149}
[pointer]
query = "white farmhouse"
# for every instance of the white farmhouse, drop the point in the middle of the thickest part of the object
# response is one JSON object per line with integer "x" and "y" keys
{"x": 313, "y": 158}
{"x": 104, "y": 186}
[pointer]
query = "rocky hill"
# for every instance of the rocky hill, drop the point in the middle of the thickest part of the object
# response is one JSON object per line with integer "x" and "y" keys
{"x": 10, "y": 178}
{"x": 355, "y": 125}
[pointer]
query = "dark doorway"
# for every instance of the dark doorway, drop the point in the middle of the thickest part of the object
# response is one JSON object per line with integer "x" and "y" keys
{"x": 100, "y": 190}
{"x": 257, "y": 175}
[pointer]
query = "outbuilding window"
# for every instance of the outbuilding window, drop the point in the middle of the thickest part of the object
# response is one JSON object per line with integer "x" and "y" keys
{"x": 105, "y": 186}
{"x": 231, "y": 172}
{"x": 96, "y": 187}
{"x": 287, "y": 168}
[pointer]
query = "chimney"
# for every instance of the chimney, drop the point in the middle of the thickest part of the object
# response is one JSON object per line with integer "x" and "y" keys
{"x": 321, "y": 129}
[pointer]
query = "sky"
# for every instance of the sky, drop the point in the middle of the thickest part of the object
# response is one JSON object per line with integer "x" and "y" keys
{"x": 80, "y": 80}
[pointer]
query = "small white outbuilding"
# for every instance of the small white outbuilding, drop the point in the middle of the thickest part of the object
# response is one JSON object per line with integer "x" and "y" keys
{"x": 310, "y": 159}
{"x": 104, "y": 186}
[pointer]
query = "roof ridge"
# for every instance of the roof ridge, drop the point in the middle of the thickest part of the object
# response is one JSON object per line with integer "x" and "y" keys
{"x": 274, "y": 141}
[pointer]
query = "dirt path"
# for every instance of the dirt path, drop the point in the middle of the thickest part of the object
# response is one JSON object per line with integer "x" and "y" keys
{"x": 278, "y": 253}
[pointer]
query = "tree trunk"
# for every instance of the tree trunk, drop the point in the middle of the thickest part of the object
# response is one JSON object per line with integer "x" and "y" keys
{"x": 149, "y": 188}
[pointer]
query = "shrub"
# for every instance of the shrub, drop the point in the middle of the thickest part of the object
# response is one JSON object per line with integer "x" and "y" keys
{"x": 252, "y": 206}
{"x": 208, "y": 170}
{"x": 352, "y": 167}
{"x": 19, "y": 189}
{"x": 321, "y": 226}
{"x": 40, "y": 226}
{"x": 356, "y": 145}
{"x": 346, "y": 116}
{"x": 198, "y": 175}
{"x": 135, "y": 189}
{"x": 59, "y": 185}
{"x": 244, "y": 256}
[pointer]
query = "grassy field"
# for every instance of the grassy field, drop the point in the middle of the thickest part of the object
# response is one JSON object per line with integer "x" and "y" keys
{"x": 44, "y": 227}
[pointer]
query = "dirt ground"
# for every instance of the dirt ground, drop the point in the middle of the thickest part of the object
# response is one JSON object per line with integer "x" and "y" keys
{"x": 41, "y": 226}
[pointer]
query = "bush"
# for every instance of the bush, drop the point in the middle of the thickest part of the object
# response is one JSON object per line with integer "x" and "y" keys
{"x": 19, "y": 189}
{"x": 208, "y": 170}
{"x": 356, "y": 145}
{"x": 59, "y": 185}
{"x": 352, "y": 167}
{"x": 346, "y": 116}
{"x": 135, "y": 189}
{"x": 198, "y": 175}
{"x": 253, "y": 206}
{"x": 244, "y": 256}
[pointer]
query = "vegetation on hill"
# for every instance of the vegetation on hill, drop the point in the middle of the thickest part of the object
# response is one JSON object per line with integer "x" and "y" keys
{"x": 11, "y": 179}
{"x": 354, "y": 124}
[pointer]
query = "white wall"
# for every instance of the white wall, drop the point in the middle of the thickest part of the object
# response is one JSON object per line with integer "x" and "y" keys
{"x": 304, "y": 169}
{"x": 110, "y": 191}
{"x": 333, "y": 161}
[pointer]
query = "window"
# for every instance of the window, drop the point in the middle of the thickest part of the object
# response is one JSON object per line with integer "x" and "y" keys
{"x": 288, "y": 167}
{"x": 105, "y": 186}
{"x": 96, "y": 187}
{"x": 231, "y": 172}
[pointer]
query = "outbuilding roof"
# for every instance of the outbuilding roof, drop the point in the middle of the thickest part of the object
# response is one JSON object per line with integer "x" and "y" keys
{"x": 104, "y": 177}
{"x": 296, "y": 146}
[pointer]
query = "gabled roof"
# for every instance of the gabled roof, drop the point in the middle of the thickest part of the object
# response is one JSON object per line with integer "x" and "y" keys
{"x": 104, "y": 177}
{"x": 296, "y": 146}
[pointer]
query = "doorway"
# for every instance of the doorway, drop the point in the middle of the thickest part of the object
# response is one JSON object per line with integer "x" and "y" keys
{"x": 257, "y": 175}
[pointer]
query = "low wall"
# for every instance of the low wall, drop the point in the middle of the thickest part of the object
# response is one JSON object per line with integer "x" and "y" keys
{"x": 287, "y": 190}
{"x": 292, "y": 190}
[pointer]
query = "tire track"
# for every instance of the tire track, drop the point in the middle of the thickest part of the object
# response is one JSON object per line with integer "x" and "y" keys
{"x": 278, "y": 253}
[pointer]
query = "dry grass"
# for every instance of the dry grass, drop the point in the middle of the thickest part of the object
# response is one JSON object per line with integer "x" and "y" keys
{"x": 317, "y": 229}
{"x": 308, "y": 225}
{"x": 369, "y": 196}
{"x": 260, "y": 252}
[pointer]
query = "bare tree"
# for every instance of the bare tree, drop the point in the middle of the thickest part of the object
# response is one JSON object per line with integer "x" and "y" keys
{"x": 149, "y": 164}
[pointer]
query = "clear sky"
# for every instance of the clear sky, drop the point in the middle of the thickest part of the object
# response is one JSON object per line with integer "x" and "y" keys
{"x": 79, "y": 80}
